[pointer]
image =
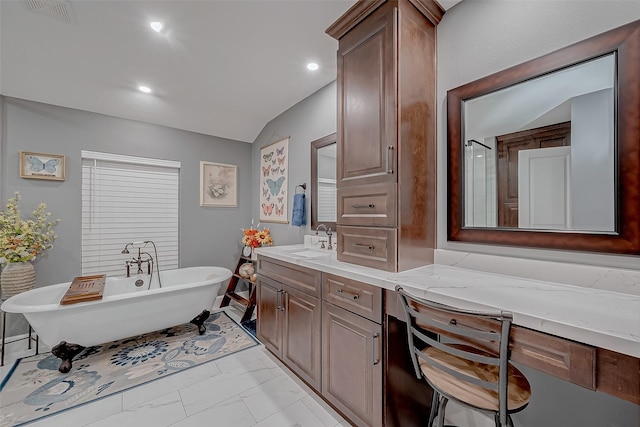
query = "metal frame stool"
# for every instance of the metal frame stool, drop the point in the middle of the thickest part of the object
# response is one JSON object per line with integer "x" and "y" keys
{"x": 30, "y": 337}
{"x": 464, "y": 356}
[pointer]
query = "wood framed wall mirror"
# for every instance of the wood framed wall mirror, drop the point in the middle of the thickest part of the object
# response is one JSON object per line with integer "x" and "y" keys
{"x": 546, "y": 154}
{"x": 323, "y": 182}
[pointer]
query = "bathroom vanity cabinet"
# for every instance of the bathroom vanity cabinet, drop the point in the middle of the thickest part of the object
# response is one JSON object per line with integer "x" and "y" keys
{"x": 352, "y": 348}
{"x": 328, "y": 330}
{"x": 358, "y": 337}
{"x": 289, "y": 313}
{"x": 386, "y": 139}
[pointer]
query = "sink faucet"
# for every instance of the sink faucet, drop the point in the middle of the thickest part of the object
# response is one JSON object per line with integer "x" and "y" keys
{"x": 328, "y": 232}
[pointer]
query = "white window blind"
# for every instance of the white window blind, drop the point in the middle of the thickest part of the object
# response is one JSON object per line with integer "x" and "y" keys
{"x": 327, "y": 200}
{"x": 128, "y": 199}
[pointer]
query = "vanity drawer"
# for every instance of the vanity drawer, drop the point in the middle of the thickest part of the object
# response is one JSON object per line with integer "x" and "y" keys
{"x": 373, "y": 205}
{"x": 300, "y": 278}
{"x": 370, "y": 247}
{"x": 562, "y": 358}
{"x": 357, "y": 297}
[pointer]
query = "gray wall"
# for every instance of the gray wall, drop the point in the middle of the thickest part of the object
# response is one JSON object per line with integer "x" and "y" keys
{"x": 308, "y": 120}
{"x": 208, "y": 236}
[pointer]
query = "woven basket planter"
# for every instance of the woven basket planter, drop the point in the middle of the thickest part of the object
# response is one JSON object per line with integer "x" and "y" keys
{"x": 17, "y": 277}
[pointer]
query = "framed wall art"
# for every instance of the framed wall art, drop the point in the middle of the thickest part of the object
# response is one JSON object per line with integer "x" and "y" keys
{"x": 42, "y": 166}
{"x": 218, "y": 184}
{"x": 274, "y": 182}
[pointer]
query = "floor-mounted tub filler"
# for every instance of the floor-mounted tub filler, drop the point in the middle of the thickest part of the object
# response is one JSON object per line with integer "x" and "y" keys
{"x": 124, "y": 311}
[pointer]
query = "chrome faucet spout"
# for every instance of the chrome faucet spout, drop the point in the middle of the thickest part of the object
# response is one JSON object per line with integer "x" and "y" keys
{"x": 328, "y": 232}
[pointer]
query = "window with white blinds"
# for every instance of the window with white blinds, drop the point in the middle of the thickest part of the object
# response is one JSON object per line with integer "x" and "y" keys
{"x": 327, "y": 200}
{"x": 128, "y": 199}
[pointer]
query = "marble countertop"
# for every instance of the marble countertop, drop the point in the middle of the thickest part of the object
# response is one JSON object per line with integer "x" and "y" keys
{"x": 600, "y": 318}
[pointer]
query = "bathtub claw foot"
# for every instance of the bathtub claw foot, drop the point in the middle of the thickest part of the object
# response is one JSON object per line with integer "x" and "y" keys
{"x": 66, "y": 352}
{"x": 199, "y": 321}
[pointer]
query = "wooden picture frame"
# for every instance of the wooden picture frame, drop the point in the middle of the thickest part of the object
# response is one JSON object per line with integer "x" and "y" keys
{"x": 274, "y": 172}
{"x": 218, "y": 185}
{"x": 42, "y": 166}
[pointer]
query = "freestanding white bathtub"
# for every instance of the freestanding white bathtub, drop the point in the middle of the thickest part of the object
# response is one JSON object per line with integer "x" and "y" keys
{"x": 124, "y": 311}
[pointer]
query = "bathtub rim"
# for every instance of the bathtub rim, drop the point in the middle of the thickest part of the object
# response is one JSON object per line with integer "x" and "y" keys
{"x": 13, "y": 304}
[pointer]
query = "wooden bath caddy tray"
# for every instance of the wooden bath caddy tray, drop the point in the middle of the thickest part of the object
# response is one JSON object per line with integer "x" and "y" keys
{"x": 84, "y": 288}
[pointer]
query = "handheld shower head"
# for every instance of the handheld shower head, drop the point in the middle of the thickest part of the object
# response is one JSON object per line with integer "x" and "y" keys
{"x": 126, "y": 247}
{"x": 125, "y": 250}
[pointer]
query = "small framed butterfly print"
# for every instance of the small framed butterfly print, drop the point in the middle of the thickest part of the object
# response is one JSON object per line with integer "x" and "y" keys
{"x": 42, "y": 166}
{"x": 273, "y": 182}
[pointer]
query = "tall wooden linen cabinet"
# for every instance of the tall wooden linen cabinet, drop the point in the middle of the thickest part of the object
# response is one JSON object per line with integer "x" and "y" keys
{"x": 387, "y": 133}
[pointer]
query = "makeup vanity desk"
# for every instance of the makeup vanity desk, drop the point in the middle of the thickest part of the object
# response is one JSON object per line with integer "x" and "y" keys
{"x": 586, "y": 336}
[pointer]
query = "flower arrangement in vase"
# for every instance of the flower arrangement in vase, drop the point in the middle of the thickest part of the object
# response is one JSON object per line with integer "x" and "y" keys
{"x": 254, "y": 238}
{"x": 22, "y": 241}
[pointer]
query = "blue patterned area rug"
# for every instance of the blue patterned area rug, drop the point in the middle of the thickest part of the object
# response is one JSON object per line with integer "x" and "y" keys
{"x": 34, "y": 388}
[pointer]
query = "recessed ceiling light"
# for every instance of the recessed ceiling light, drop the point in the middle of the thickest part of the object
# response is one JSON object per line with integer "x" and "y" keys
{"x": 312, "y": 66}
{"x": 157, "y": 26}
{"x": 144, "y": 89}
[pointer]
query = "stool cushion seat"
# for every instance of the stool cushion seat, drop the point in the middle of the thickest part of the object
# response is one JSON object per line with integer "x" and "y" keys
{"x": 475, "y": 395}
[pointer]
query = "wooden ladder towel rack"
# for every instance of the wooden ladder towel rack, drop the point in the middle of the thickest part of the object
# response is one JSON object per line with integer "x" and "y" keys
{"x": 236, "y": 279}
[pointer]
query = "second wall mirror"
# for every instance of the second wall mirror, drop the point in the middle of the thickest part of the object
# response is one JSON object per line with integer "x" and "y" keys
{"x": 546, "y": 154}
{"x": 323, "y": 182}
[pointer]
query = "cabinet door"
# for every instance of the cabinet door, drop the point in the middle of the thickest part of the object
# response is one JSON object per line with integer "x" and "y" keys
{"x": 351, "y": 365}
{"x": 301, "y": 337}
{"x": 366, "y": 102}
{"x": 270, "y": 306}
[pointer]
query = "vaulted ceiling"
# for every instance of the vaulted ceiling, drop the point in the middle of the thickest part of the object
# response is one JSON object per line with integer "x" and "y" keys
{"x": 222, "y": 68}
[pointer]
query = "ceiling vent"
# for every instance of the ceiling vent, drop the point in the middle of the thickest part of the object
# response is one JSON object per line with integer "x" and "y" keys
{"x": 54, "y": 8}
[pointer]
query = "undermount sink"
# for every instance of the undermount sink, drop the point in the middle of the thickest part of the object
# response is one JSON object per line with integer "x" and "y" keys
{"x": 311, "y": 254}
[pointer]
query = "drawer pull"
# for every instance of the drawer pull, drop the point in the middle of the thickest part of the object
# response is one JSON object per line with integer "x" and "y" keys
{"x": 389, "y": 159}
{"x": 360, "y": 245}
{"x": 348, "y": 295}
{"x": 369, "y": 206}
{"x": 280, "y": 297}
{"x": 376, "y": 358}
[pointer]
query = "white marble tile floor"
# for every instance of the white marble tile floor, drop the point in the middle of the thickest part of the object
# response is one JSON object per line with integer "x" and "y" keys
{"x": 250, "y": 388}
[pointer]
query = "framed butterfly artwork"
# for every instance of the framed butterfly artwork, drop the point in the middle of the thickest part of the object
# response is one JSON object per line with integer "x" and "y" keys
{"x": 42, "y": 166}
{"x": 274, "y": 181}
{"x": 218, "y": 185}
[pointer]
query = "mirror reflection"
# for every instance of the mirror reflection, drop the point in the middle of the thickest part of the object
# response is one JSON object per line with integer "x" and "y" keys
{"x": 327, "y": 184}
{"x": 537, "y": 154}
{"x": 323, "y": 182}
